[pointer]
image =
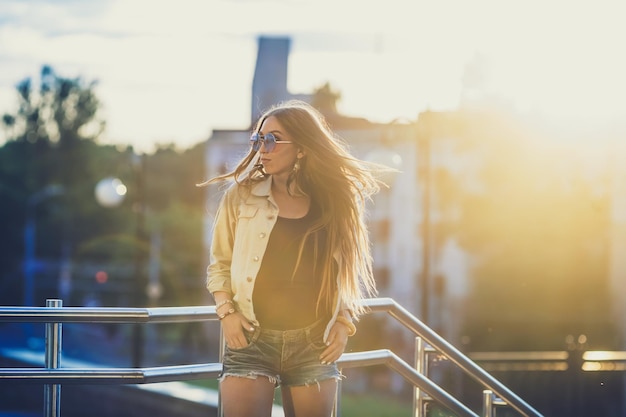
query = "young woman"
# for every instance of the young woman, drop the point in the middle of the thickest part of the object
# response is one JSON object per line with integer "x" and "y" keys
{"x": 290, "y": 262}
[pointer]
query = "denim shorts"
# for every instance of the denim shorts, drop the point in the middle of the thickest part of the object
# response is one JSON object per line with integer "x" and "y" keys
{"x": 285, "y": 357}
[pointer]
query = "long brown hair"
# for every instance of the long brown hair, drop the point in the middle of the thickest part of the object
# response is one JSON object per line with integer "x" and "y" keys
{"x": 340, "y": 185}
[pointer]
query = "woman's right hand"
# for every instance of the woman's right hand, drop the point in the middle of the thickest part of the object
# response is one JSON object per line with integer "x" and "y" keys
{"x": 234, "y": 326}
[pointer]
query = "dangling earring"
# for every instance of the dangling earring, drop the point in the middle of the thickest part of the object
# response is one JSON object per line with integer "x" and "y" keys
{"x": 293, "y": 177}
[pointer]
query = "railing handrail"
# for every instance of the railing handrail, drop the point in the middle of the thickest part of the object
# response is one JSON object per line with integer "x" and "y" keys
{"x": 109, "y": 376}
{"x": 203, "y": 313}
{"x": 453, "y": 354}
{"x": 107, "y": 314}
{"x": 393, "y": 361}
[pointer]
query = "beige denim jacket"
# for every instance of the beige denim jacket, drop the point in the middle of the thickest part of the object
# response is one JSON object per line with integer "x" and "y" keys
{"x": 241, "y": 231}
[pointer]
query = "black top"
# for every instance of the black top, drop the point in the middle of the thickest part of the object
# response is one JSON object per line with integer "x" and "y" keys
{"x": 283, "y": 299}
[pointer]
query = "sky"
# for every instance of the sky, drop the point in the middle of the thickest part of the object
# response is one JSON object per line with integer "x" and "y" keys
{"x": 172, "y": 71}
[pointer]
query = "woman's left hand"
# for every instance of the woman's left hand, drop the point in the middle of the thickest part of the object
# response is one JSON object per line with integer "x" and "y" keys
{"x": 336, "y": 342}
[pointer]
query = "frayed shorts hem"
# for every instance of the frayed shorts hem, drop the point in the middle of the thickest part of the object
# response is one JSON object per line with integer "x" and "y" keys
{"x": 275, "y": 379}
{"x": 315, "y": 381}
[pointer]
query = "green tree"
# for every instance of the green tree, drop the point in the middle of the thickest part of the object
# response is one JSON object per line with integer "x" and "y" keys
{"x": 61, "y": 110}
{"x": 325, "y": 99}
{"x": 176, "y": 209}
{"x": 54, "y": 141}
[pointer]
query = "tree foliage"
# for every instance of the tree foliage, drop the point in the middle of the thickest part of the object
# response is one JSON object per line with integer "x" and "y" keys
{"x": 53, "y": 141}
{"x": 325, "y": 99}
{"x": 55, "y": 109}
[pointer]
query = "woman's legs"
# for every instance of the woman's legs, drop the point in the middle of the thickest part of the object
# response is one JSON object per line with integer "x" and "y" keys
{"x": 246, "y": 397}
{"x": 310, "y": 400}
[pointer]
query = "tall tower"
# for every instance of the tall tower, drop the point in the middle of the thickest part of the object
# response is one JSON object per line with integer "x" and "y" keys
{"x": 269, "y": 85}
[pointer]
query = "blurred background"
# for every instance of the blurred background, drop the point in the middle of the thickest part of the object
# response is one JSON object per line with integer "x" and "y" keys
{"x": 504, "y": 229}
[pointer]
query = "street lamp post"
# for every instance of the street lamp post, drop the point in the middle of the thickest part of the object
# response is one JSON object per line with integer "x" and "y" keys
{"x": 110, "y": 192}
{"x": 140, "y": 257}
{"x": 29, "y": 240}
{"x": 423, "y": 145}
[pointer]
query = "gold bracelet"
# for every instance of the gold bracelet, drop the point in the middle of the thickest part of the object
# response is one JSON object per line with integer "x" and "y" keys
{"x": 348, "y": 323}
{"x": 224, "y": 302}
{"x": 221, "y": 316}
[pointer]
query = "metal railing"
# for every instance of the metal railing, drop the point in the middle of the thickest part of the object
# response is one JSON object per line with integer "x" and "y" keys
{"x": 53, "y": 375}
{"x": 494, "y": 390}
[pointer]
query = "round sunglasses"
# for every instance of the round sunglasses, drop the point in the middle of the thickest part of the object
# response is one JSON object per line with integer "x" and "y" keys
{"x": 269, "y": 140}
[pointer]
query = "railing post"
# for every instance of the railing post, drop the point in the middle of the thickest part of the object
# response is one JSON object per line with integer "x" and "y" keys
{"x": 220, "y": 408}
{"x": 337, "y": 407}
{"x": 421, "y": 366}
{"x": 488, "y": 406}
{"x": 52, "y": 392}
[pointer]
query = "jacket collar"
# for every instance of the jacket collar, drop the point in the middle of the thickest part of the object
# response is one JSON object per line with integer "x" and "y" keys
{"x": 262, "y": 188}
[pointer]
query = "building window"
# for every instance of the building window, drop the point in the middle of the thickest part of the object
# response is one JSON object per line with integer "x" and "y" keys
{"x": 382, "y": 276}
{"x": 380, "y": 230}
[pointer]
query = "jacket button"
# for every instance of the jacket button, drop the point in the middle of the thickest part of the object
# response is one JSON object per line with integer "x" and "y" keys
{"x": 255, "y": 259}
{"x": 249, "y": 279}
{"x": 262, "y": 235}
{"x": 270, "y": 217}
